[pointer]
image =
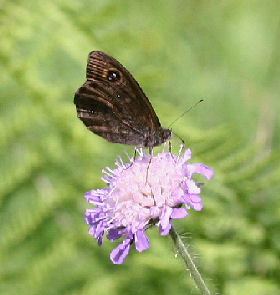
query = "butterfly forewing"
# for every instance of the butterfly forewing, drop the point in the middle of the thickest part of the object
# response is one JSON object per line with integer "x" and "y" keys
{"x": 112, "y": 104}
{"x": 129, "y": 99}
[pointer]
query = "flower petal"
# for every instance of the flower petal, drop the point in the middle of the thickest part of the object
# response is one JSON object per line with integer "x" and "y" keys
{"x": 165, "y": 216}
{"x": 141, "y": 241}
{"x": 197, "y": 206}
{"x": 195, "y": 198}
{"x": 194, "y": 201}
{"x": 155, "y": 212}
{"x": 178, "y": 213}
{"x": 191, "y": 187}
{"x": 204, "y": 170}
{"x": 186, "y": 156}
{"x": 115, "y": 234}
{"x": 97, "y": 230}
{"x": 119, "y": 254}
{"x": 164, "y": 231}
{"x": 95, "y": 196}
{"x": 164, "y": 221}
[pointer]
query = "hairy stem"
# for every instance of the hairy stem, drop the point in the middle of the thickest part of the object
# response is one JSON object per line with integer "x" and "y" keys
{"x": 182, "y": 249}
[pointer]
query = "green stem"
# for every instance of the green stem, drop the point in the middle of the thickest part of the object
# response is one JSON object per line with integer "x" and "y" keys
{"x": 182, "y": 249}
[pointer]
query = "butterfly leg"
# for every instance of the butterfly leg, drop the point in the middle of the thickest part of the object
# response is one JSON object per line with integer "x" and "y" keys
{"x": 183, "y": 145}
{"x": 169, "y": 146}
{"x": 135, "y": 153}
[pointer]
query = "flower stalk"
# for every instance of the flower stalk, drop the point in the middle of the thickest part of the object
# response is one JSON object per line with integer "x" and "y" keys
{"x": 183, "y": 251}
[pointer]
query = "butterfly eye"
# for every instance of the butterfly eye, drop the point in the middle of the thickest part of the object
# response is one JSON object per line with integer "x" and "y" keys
{"x": 113, "y": 76}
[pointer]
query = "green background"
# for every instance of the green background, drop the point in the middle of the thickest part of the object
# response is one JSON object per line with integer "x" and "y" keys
{"x": 226, "y": 52}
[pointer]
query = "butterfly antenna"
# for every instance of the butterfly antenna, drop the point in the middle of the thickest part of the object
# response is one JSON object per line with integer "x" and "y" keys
{"x": 186, "y": 111}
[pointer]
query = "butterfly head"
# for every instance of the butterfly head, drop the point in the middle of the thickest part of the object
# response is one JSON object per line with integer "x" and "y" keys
{"x": 157, "y": 137}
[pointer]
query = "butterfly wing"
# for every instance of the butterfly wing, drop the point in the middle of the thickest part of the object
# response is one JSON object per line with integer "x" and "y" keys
{"x": 97, "y": 114}
{"x": 112, "y": 104}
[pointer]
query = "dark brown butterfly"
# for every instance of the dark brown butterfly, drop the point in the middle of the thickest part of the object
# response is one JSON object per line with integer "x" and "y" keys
{"x": 112, "y": 104}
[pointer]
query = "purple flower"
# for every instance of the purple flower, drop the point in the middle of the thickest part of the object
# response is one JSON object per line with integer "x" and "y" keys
{"x": 146, "y": 191}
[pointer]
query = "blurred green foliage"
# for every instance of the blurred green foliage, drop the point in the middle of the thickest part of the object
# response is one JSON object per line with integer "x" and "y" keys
{"x": 180, "y": 51}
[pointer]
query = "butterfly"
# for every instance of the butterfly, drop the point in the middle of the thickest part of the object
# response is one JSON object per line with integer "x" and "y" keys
{"x": 112, "y": 105}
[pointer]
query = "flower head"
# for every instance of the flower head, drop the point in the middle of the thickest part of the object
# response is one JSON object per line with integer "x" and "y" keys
{"x": 146, "y": 191}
